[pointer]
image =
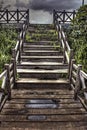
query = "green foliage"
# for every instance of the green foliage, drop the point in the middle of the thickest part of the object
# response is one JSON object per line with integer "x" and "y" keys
{"x": 8, "y": 38}
{"x": 77, "y": 36}
{"x": 40, "y": 34}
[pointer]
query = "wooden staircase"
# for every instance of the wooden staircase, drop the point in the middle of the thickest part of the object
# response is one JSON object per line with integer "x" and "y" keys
{"x": 41, "y": 64}
{"x": 41, "y": 99}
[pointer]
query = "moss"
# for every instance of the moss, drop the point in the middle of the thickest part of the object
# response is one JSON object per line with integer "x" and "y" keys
{"x": 42, "y": 33}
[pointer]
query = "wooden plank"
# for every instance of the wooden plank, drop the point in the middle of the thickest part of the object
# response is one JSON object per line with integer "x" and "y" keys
{"x": 66, "y": 101}
{"x": 59, "y": 118}
{"x": 61, "y": 106}
{"x": 45, "y": 90}
{"x": 44, "y": 125}
{"x": 20, "y": 111}
{"x": 38, "y": 95}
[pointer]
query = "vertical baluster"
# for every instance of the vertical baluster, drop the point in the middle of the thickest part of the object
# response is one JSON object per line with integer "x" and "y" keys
{"x": 7, "y": 15}
{"x": 54, "y": 19}
{"x": 8, "y": 85}
{"x": 17, "y": 16}
{"x": 70, "y": 60}
{"x": 14, "y": 70}
{"x": 64, "y": 13}
{"x": 78, "y": 82}
{"x": 28, "y": 20}
{"x": 71, "y": 69}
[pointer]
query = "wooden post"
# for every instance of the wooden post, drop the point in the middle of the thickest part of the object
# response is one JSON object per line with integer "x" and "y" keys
{"x": 64, "y": 12}
{"x": 74, "y": 14}
{"x": 64, "y": 57}
{"x": 14, "y": 54}
{"x": 17, "y": 16}
{"x": 78, "y": 82}
{"x": 28, "y": 17}
{"x": 54, "y": 17}
{"x": 70, "y": 59}
{"x": 7, "y": 15}
{"x": 19, "y": 47}
{"x": 8, "y": 85}
{"x": 71, "y": 69}
{"x": 14, "y": 70}
{"x": 14, "y": 57}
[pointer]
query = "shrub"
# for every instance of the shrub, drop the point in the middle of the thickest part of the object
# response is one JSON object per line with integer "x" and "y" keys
{"x": 77, "y": 36}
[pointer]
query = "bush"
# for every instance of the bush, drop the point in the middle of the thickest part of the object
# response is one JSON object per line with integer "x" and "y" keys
{"x": 77, "y": 36}
{"x": 8, "y": 38}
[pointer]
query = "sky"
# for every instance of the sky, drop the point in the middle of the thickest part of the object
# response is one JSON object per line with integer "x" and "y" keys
{"x": 39, "y": 7}
{"x": 46, "y": 5}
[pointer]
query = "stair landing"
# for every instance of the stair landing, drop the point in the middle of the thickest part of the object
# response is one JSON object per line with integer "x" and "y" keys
{"x": 67, "y": 114}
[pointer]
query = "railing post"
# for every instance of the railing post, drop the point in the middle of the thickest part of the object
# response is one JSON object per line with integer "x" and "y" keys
{"x": 8, "y": 85}
{"x": 74, "y": 14}
{"x": 19, "y": 47}
{"x": 17, "y": 16}
{"x": 70, "y": 60}
{"x": 78, "y": 82}
{"x": 71, "y": 69}
{"x": 14, "y": 54}
{"x": 64, "y": 12}
{"x": 64, "y": 57}
{"x": 7, "y": 15}
{"x": 54, "y": 17}
{"x": 28, "y": 17}
{"x": 14, "y": 70}
{"x": 14, "y": 57}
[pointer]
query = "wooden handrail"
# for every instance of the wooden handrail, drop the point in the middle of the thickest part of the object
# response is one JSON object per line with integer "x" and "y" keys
{"x": 76, "y": 76}
{"x": 8, "y": 77}
{"x": 67, "y": 51}
{"x": 83, "y": 74}
{"x": 3, "y": 74}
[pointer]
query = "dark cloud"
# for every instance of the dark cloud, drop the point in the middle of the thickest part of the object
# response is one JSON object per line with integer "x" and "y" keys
{"x": 49, "y": 5}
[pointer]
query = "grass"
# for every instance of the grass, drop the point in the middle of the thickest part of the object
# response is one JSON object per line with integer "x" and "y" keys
{"x": 8, "y": 38}
{"x": 41, "y": 34}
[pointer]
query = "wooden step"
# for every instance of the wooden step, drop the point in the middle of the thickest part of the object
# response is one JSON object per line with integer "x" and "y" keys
{"x": 42, "y": 74}
{"x": 41, "y": 53}
{"x": 40, "y": 47}
{"x": 42, "y": 58}
{"x": 49, "y": 118}
{"x": 43, "y": 125}
{"x": 42, "y": 65}
{"x": 33, "y": 83}
{"x": 41, "y": 26}
{"x": 42, "y": 42}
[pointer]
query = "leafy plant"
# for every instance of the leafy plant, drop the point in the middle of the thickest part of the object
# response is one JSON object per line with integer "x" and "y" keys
{"x": 77, "y": 36}
{"x": 8, "y": 38}
{"x": 42, "y": 34}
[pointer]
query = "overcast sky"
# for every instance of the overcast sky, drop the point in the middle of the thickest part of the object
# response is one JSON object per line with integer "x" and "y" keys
{"x": 46, "y": 5}
{"x": 41, "y": 10}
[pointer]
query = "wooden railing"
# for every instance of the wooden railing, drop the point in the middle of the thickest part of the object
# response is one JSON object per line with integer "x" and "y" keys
{"x": 8, "y": 77}
{"x": 77, "y": 78}
{"x": 64, "y": 16}
{"x": 16, "y": 52}
{"x": 19, "y": 16}
{"x": 67, "y": 51}
{"x": 13, "y": 16}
